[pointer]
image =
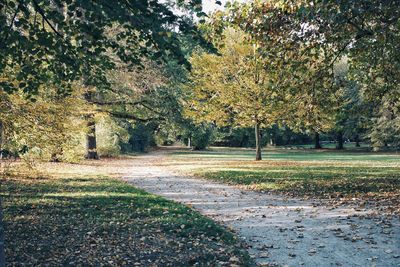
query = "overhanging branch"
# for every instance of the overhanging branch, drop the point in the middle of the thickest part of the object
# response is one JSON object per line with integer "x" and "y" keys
{"x": 121, "y": 115}
{"x": 41, "y": 12}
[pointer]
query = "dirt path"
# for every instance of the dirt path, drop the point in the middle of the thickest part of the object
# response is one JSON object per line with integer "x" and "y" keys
{"x": 280, "y": 231}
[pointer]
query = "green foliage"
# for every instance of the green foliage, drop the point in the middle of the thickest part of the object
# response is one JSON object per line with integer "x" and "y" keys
{"x": 201, "y": 136}
{"x": 49, "y": 128}
{"x": 61, "y": 42}
{"x": 141, "y": 137}
{"x": 232, "y": 88}
{"x": 386, "y": 126}
{"x": 238, "y": 137}
{"x": 109, "y": 136}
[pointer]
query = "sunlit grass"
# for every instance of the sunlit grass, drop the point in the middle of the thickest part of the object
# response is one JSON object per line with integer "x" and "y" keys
{"x": 316, "y": 173}
{"x": 292, "y": 155}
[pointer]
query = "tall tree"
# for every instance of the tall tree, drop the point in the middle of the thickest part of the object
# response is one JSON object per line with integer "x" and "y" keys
{"x": 366, "y": 32}
{"x": 296, "y": 57}
{"x": 233, "y": 88}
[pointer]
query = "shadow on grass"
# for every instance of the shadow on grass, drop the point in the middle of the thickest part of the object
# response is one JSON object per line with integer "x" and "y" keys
{"x": 319, "y": 181}
{"x": 296, "y": 155}
{"x": 99, "y": 220}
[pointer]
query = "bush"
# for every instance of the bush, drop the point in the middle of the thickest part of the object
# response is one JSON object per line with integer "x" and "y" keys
{"x": 201, "y": 137}
{"x": 109, "y": 136}
{"x": 141, "y": 137}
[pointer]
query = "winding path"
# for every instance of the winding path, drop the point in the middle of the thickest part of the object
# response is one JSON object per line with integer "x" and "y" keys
{"x": 279, "y": 231}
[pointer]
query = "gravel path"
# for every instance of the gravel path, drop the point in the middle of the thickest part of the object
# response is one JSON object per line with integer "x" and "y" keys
{"x": 280, "y": 231}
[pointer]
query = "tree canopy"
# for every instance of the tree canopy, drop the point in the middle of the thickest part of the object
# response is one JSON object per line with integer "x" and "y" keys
{"x": 59, "y": 42}
{"x": 233, "y": 88}
{"x": 164, "y": 68}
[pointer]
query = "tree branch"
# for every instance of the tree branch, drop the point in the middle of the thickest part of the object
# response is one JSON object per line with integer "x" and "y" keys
{"x": 11, "y": 24}
{"x": 130, "y": 116}
{"x": 116, "y": 102}
{"x": 151, "y": 109}
{"x": 41, "y": 12}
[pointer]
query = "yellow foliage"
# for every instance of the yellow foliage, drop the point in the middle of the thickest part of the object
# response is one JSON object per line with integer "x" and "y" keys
{"x": 233, "y": 87}
{"x": 41, "y": 129}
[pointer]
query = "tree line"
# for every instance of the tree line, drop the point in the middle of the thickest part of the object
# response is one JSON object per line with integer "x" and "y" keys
{"x": 83, "y": 78}
{"x": 311, "y": 66}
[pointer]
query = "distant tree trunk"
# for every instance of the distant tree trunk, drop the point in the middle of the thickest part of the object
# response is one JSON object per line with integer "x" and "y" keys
{"x": 258, "y": 141}
{"x": 56, "y": 156}
{"x": 317, "y": 144}
{"x": 272, "y": 140}
{"x": 385, "y": 144}
{"x": 339, "y": 144}
{"x": 91, "y": 144}
{"x": 289, "y": 139}
{"x": 357, "y": 139}
{"x": 189, "y": 143}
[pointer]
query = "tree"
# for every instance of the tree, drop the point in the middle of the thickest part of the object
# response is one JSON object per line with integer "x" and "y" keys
{"x": 233, "y": 88}
{"x": 352, "y": 112}
{"x": 296, "y": 58}
{"x": 385, "y": 128}
{"x": 323, "y": 32}
{"x": 367, "y": 33}
{"x": 62, "y": 43}
{"x": 48, "y": 40}
{"x": 311, "y": 101}
{"x": 49, "y": 128}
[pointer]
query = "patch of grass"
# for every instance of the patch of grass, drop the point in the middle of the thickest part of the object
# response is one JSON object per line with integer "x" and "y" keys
{"x": 96, "y": 220}
{"x": 290, "y": 155}
{"x": 314, "y": 180}
{"x": 348, "y": 174}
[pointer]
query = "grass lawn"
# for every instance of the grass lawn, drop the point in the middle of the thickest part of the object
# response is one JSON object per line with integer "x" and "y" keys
{"x": 329, "y": 174}
{"x": 83, "y": 218}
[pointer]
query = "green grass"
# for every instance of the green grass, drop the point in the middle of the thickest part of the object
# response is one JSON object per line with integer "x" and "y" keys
{"x": 351, "y": 145}
{"x": 291, "y": 155}
{"x": 97, "y": 220}
{"x": 304, "y": 173}
{"x": 313, "y": 180}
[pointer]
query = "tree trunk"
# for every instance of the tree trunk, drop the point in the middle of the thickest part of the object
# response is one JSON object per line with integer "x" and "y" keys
{"x": 288, "y": 140}
{"x": 1, "y": 136}
{"x": 258, "y": 141}
{"x": 357, "y": 139}
{"x": 317, "y": 144}
{"x": 339, "y": 140}
{"x": 189, "y": 143}
{"x": 2, "y": 247}
{"x": 91, "y": 144}
{"x": 272, "y": 140}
